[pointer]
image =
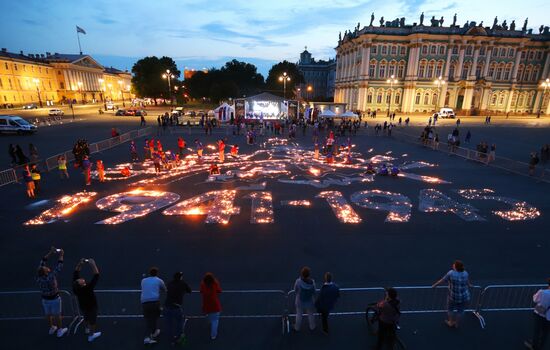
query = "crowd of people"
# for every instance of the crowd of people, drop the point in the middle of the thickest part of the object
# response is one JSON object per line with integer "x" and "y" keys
{"x": 308, "y": 300}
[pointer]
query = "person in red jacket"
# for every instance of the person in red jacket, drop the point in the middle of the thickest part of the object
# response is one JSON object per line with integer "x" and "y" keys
{"x": 211, "y": 306}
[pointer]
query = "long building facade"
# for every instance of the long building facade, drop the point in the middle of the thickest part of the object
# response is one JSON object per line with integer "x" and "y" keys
{"x": 471, "y": 68}
{"x": 319, "y": 77}
{"x": 48, "y": 79}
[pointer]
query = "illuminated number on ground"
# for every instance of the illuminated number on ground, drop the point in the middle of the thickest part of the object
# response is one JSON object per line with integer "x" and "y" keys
{"x": 430, "y": 201}
{"x": 340, "y": 206}
{"x": 261, "y": 211}
{"x": 134, "y": 204}
{"x": 65, "y": 206}
{"x": 216, "y": 205}
{"x": 520, "y": 210}
{"x": 398, "y": 205}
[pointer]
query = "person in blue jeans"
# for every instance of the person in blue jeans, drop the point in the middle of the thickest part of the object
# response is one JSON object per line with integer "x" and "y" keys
{"x": 458, "y": 298}
{"x": 328, "y": 295}
{"x": 173, "y": 306}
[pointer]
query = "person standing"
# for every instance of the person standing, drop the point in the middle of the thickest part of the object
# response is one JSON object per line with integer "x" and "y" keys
{"x": 221, "y": 150}
{"x": 86, "y": 170}
{"x": 142, "y": 121}
{"x": 173, "y": 307}
{"x": 87, "y": 300}
{"x": 458, "y": 298}
{"x": 533, "y": 161}
{"x": 133, "y": 152}
{"x": 151, "y": 287}
{"x": 21, "y": 157}
{"x": 62, "y": 167}
{"x": 27, "y": 177}
{"x": 541, "y": 319}
{"x": 328, "y": 295}
{"x": 181, "y": 146}
{"x": 304, "y": 287}
{"x": 49, "y": 291}
{"x": 36, "y": 177}
{"x": 211, "y": 305}
{"x": 100, "y": 170}
{"x": 388, "y": 318}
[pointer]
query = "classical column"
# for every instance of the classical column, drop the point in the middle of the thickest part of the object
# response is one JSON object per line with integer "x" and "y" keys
{"x": 472, "y": 75}
{"x": 458, "y": 70}
{"x": 442, "y": 96}
{"x": 516, "y": 66}
{"x": 546, "y": 69}
{"x": 485, "y": 98}
{"x": 488, "y": 53}
{"x": 509, "y": 99}
{"x": 365, "y": 60}
{"x": 447, "y": 63}
{"x": 412, "y": 63}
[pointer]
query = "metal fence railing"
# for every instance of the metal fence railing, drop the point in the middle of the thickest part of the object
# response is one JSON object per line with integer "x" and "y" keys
{"x": 277, "y": 304}
{"x": 11, "y": 175}
{"x": 541, "y": 171}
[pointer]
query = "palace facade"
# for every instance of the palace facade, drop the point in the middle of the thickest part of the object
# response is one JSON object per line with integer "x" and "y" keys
{"x": 471, "y": 68}
{"x": 47, "y": 79}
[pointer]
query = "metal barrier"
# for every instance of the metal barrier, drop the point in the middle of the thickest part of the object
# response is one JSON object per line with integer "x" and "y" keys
{"x": 7, "y": 177}
{"x": 508, "y": 297}
{"x": 541, "y": 173}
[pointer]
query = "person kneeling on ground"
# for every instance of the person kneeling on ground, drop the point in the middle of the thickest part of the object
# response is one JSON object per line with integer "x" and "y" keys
{"x": 87, "y": 300}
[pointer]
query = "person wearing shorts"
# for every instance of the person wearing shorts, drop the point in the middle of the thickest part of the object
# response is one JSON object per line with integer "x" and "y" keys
{"x": 49, "y": 291}
{"x": 459, "y": 293}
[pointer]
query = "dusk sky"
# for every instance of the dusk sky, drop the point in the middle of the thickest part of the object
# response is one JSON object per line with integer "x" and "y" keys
{"x": 200, "y": 33}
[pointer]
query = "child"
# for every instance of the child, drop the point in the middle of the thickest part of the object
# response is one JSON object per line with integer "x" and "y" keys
{"x": 86, "y": 169}
{"x": 214, "y": 170}
{"x": 100, "y": 170}
{"x": 156, "y": 161}
{"x": 234, "y": 151}
{"x": 62, "y": 166}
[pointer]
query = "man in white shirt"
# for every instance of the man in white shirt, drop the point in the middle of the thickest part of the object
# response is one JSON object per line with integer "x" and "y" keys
{"x": 541, "y": 319}
{"x": 150, "y": 301}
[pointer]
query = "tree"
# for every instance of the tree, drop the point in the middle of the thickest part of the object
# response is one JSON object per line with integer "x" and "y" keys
{"x": 147, "y": 77}
{"x": 276, "y": 86}
{"x": 244, "y": 75}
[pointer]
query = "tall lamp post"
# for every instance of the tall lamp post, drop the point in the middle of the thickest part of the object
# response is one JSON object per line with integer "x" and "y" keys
{"x": 391, "y": 81}
{"x": 439, "y": 82}
{"x": 80, "y": 90}
{"x": 37, "y": 83}
{"x": 284, "y": 78}
{"x": 545, "y": 84}
{"x": 121, "y": 85}
{"x": 169, "y": 76}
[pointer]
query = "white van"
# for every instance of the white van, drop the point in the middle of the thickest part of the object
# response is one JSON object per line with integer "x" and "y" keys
{"x": 446, "y": 113}
{"x": 15, "y": 124}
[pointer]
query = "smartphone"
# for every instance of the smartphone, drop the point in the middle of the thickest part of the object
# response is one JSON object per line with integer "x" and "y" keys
{"x": 58, "y": 250}
{"x": 86, "y": 260}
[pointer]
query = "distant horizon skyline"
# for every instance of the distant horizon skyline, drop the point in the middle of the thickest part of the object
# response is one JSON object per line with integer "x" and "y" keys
{"x": 207, "y": 33}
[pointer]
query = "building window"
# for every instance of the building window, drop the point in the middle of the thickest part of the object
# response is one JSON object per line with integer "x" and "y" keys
{"x": 531, "y": 56}
{"x": 510, "y": 52}
{"x": 417, "y": 99}
{"x": 426, "y": 98}
{"x": 434, "y": 99}
{"x": 394, "y": 50}
{"x": 502, "y": 52}
{"x": 1, "y": 84}
{"x": 465, "y": 70}
{"x": 58, "y": 72}
{"x": 439, "y": 69}
{"x": 491, "y": 71}
{"x": 382, "y": 70}
{"x": 535, "y": 74}
{"x": 369, "y": 97}
{"x": 388, "y": 97}
{"x": 61, "y": 85}
{"x": 422, "y": 69}
{"x": 452, "y": 71}
{"x": 507, "y": 72}
{"x": 397, "y": 98}
{"x": 403, "y": 50}
{"x": 523, "y": 55}
{"x": 372, "y": 69}
{"x": 495, "y": 51}
{"x": 433, "y": 50}
{"x": 498, "y": 76}
{"x": 442, "y": 50}
{"x": 6, "y": 65}
{"x": 539, "y": 55}
{"x": 425, "y": 50}
{"x": 374, "y": 49}
{"x": 479, "y": 69}
{"x": 430, "y": 71}
{"x": 11, "y": 85}
{"x": 50, "y": 83}
{"x": 379, "y": 98}
{"x": 501, "y": 99}
{"x": 494, "y": 99}
{"x": 482, "y": 51}
{"x": 15, "y": 66}
{"x": 455, "y": 50}
{"x": 400, "y": 71}
{"x": 384, "y": 50}
{"x": 5, "y": 98}
{"x": 469, "y": 51}
{"x": 24, "y": 68}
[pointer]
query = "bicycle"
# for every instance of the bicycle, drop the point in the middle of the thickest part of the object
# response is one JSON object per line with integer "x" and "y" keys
{"x": 372, "y": 314}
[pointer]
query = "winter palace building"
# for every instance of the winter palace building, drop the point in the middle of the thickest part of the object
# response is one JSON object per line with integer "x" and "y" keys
{"x": 472, "y": 68}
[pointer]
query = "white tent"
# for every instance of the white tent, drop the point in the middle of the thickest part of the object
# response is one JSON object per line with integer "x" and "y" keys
{"x": 223, "y": 112}
{"x": 349, "y": 114}
{"x": 327, "y": 113}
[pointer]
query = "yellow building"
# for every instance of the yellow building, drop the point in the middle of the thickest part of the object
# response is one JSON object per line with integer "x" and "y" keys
{"x": 59, "y": 78}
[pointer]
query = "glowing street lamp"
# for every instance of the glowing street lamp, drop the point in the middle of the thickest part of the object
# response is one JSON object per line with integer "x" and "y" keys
{"x": 439, "y": 82}
{"x": 391, "y": 81}
{"x": 121, "y": 84}
{"x": 309, "y": 89}
{"x": 169, "y": 76}
{"x": 37, "y": 82}
{"x": 545, "y": 84}
{"x": 284, "y": 78}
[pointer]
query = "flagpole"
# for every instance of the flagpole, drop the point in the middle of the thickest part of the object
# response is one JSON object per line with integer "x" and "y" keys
{"x": 78, "y": 38}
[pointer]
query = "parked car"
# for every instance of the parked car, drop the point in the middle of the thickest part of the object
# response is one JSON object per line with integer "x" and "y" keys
{"x": 130, "y": 112}
{"x": 109, "y": 106}
{"x": 16, "y": 124}
{"x": 446, "y": 113}
{"x": 55, "y": 112}
{"x": 140, "y": 112}
{"x": 30, "y": 106}
{"x": 120, "y": 112}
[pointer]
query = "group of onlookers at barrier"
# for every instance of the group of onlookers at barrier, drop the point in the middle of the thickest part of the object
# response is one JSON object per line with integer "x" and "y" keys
{"x": 308, "y": 300}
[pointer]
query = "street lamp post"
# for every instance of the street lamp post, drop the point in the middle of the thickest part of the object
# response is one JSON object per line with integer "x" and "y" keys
{"x": 80, "y": 90}
{"x": 37, "y": 82}
{"x": 309, "y": 90}
{"x": 284, "y": 78}
{"x": 439, "y": 82}
{"x": 121, "y": 85}
{"x": 545, "y": 84}
{"x": 169, "y": 76}
{"x": 391, "y": 81}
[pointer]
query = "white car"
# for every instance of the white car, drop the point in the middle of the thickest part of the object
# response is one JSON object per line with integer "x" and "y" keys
{"x": 55, "y": 112}
{"x": 109, "y": 106}
{"x": 446, "y": 113}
